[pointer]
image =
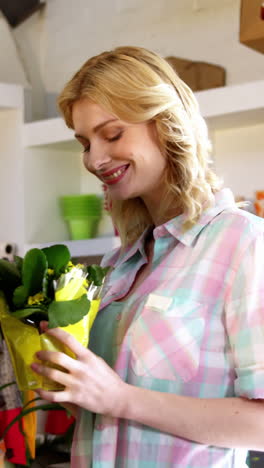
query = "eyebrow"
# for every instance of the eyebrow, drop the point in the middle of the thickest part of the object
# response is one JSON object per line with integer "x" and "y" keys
{"x": 96, "y": 128}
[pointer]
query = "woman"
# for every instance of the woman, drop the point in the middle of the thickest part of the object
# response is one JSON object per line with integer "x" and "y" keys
{"x": 174, "y": 375}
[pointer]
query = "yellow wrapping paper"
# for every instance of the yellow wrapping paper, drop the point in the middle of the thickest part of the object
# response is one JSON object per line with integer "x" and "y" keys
{"x": 24, "y": 341}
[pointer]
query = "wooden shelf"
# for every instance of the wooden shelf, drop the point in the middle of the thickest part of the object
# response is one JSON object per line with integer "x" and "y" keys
{"x": 86, "y": 247}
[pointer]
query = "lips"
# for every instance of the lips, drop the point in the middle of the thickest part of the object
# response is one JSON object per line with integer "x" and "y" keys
{"x": 113, "y": 176}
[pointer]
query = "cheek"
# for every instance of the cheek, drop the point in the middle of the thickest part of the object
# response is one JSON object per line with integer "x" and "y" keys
{"x": 157, "y": 160}
{"x": 85, "y": 160}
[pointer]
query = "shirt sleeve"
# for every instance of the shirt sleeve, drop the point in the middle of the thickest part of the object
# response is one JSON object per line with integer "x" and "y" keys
{"x": 245, "y": 320}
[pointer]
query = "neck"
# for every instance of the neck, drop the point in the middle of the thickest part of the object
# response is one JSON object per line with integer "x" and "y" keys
{"x": 160, "y": 217}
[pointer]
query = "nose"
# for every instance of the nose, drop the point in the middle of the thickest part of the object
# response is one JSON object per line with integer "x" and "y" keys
{"x": 96, "y": 159}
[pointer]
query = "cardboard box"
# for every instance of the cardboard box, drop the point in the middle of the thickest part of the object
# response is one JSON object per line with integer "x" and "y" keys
{"x": 198, "y": 75}
{"x": 252, "y": 24}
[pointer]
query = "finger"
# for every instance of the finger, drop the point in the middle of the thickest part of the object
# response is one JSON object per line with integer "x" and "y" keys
{"x": 78, "y": 349}
{"x": 54, "y": 397}
{"x": 57, "y": 357}
{"x": 53, "y": 374}
{"x": 44, "y": 324}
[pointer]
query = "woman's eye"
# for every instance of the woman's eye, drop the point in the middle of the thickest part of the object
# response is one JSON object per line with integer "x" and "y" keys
{"x": 87, "y": 147}
{"x": 116, "y": 137}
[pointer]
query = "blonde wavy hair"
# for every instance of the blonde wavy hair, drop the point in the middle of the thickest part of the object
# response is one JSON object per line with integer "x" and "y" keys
{"x": 136, "y": 85}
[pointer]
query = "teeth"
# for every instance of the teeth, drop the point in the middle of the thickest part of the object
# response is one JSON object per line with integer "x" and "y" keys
{"x": 115, "y": 174}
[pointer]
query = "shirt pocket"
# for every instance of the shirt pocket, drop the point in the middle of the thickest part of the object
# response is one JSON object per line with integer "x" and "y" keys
{"x": 166, "y": 338}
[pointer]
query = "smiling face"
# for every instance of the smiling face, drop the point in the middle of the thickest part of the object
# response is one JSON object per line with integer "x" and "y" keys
{"x": 126, "y": 157}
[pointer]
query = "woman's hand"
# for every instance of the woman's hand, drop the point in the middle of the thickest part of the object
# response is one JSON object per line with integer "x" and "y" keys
{"x": 89, "y": 382}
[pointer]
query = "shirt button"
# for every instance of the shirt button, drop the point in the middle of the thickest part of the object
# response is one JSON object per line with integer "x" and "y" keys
{"x": 118, "y": 316}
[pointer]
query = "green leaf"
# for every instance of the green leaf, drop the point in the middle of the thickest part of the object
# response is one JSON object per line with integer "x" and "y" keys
{"x": 30, "y": 402}
{"x": 63, "y": 313}
{"x": 9, "y": 275}
{"x": 34, "y": 267}
{"x": 10, "y": 279}
{"x": 7, "y": 385}
{"x": 48, "y": 286}
{"x": 19, "y": 263}
{"x": 96, "y": 274}
{"x": 20, "y": 296}
{"x": 33, "y": 270}
{"x": 58, "y": 257}
{"x": 45, "y": 407}
{"x": 22, "y": 313}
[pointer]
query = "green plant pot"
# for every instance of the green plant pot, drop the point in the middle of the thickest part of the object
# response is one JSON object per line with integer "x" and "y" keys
{"x": 81, "y": 213}
{"x": 83, "y": 228}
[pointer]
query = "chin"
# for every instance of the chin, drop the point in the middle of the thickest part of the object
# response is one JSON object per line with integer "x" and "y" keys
{"x": 119, "y": 196}
{"x": 122, "y": 195}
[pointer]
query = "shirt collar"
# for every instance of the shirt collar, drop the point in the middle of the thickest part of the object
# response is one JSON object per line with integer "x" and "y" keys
{"x": 222, "y": 200}
{"x": 174, "y": 227}
{"x": 131, "y": 250}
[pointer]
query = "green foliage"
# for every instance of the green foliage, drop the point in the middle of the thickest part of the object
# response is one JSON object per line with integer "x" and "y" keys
{"x": 20, "y": 296}
{"x": 96, "y": 274}
{"x": 10, "y": 278}
{"x": 7, "y": 385}
{"x": 10, "y": 273}
{"x": 63, "y": 313}
{"x": 29, "y": 285}
{"x": 33, "y": 269}
{"x": 58, "y": 257}
{"x": 18, "y": 261}
{"x": 24, "y": 412}
{"x": 67, "y": 437}
{"x": 22, "y": 313}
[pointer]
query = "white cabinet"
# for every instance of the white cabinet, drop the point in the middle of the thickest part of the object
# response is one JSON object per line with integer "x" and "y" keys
{"x": 41, "y": 161}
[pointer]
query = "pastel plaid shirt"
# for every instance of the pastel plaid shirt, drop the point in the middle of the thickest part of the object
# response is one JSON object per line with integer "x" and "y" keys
{"x": 194, "y": 327}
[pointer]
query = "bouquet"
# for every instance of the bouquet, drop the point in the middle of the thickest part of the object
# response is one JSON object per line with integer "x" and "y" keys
{"x": 46, "y": 285}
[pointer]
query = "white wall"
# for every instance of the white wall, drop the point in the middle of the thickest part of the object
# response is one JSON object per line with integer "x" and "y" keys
{"x": 58, "y": 40}
{"x": 11, "y": 66}
{"x": 238, "y": 154}
{"x": 11, "y": 176}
